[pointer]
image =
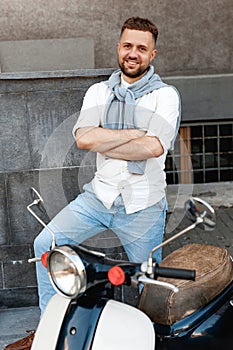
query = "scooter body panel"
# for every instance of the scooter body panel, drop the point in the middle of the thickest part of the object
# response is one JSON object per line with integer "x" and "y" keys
{"x": 123, "y": 327}
{"x": 208, "y": 328}
{"x": 108, "y": 325}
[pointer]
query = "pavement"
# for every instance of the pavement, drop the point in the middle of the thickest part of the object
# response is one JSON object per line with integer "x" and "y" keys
{"x": 15, "y": 322}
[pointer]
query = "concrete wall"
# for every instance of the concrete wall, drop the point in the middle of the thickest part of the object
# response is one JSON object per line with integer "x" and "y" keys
{"x": 33, "y": 112}
{"x": 194, "y": 35}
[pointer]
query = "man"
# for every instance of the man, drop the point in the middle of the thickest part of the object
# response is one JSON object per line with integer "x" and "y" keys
{"x": 131, "y": 122}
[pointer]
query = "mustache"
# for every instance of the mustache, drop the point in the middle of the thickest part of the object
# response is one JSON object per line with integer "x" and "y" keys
{"x": 129, "y": 58}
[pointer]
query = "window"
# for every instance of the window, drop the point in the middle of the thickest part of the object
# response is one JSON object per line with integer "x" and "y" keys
{"x": 203, "y": 153}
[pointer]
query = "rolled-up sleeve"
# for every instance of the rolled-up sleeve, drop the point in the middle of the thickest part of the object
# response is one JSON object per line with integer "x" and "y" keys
{"x": 163, "y": 123}
{"x": 89, "y": 114}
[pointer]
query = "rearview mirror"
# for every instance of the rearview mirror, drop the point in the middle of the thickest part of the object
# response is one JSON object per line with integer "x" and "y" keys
{"x": 37, "y": 199}
{"x": 197, "y": 208}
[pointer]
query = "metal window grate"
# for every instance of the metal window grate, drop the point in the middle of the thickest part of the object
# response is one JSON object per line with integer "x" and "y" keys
{"x": 203, "y": 153}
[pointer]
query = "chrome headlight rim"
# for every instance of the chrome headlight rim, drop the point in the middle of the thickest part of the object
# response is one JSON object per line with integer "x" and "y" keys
{"x": 72, "y": 255}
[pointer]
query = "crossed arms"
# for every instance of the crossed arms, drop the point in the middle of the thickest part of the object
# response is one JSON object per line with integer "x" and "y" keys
{"x": 126, "y": 144}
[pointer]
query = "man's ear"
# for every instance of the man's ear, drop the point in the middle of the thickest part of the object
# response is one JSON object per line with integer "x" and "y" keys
{"x": 153, "y": 54}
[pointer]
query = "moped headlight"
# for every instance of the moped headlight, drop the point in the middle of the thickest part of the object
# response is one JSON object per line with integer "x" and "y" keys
{"x": 66, "y": 271}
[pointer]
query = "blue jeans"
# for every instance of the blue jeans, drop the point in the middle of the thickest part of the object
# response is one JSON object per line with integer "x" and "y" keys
{"x": 86, "y": 216}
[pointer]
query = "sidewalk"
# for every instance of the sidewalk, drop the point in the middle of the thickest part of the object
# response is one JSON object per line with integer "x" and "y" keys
{"x": 14, "y": 322}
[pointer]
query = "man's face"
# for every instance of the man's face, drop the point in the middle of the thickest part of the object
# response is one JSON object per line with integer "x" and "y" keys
{"x": 135, "y": 52}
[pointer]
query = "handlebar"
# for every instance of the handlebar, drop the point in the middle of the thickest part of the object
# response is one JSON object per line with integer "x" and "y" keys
{"x": 174, "y": 273}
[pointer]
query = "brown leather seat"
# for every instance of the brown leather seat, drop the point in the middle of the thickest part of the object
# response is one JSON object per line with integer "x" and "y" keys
{"x": 214, "y": 271}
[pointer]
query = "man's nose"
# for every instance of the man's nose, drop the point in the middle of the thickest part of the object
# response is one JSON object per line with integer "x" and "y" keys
{"x": 133, "y": 52}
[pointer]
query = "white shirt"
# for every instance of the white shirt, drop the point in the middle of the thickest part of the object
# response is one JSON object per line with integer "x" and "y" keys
{"x": 156, "y": 112}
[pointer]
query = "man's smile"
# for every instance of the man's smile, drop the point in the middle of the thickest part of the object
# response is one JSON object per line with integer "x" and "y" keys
{"x": 131, "y": 63}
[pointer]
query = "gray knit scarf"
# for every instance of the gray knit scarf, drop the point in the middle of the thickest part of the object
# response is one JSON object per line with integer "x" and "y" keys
{"x": 119, "y": 112}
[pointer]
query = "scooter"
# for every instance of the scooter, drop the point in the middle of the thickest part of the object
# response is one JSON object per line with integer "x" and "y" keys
{"x": 186, "y": 302}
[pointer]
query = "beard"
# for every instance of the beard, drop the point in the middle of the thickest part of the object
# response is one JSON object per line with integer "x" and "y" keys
{"x": 133, "y": 74}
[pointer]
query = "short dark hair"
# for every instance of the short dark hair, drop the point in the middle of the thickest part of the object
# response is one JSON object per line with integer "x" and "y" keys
{"x": 142, "y": 24}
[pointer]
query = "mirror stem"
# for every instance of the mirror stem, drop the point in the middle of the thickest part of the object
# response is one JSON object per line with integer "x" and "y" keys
{"x": 198, "y": 221}
{"x": 35, "y": 202}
